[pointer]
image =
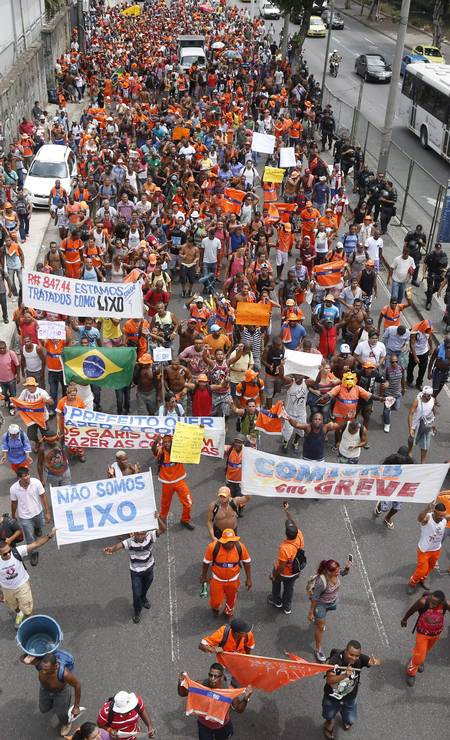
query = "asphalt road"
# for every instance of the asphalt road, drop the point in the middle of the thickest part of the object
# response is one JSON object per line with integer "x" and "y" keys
{"x": 89, "y": 595}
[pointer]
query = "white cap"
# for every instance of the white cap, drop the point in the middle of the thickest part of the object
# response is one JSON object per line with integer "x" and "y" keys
{"x": 345, "y": 349}
{"x": 427, "y": 389}
{"x": 124, "y": 702}
{"x": 14, "y": 429}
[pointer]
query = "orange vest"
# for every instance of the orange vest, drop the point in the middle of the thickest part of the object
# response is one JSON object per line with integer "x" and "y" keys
{"x": 391, "y": 318}
{"x": 53, "y": 349}
{"x": 71, "y": 249}
{"x": 169, "y": 472}
{"x": 234, "y": 466}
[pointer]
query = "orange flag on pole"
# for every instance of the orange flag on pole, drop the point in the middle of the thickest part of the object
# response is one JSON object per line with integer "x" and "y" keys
{"x": 252, "y": 314}
{"x": 268, "y": 674}
{"x": 269, "y": 421}
{"x": 232, "y": 200}
{"x": 329, "y": 273}
{"x": 286, "y": 207}
{"x": 211, "y": 704}
{"x": 31, "y": 412}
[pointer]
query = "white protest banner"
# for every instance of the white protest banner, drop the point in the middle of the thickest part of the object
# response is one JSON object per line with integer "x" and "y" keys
{"x": 162, "y": 354}
{"x": 51, "y": 330}
{"x": 95, "y": 429}
{"x": 264, "y": 474}
{"x": 81, "y": 297}
{"x": 263, "y": 143}
{"x": 302, "y": 363}
{"x": 103, "y": 508}
{"x": 287, "y": 156}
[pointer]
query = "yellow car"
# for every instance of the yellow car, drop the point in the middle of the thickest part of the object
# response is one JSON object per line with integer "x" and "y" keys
{"x": 432, "y": 53}
{"x": 316, "y": 27}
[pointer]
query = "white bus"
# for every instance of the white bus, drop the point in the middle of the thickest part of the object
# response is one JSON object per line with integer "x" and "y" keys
{"x": 427, "y": 90}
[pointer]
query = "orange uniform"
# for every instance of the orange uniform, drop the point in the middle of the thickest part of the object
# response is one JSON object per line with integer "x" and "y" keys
{"x": 134, "y": 336}
{"x": 287, "y": 552}
{"x": 225, "y": 568}
{"x": 234, "y": 466}
{"x": 247, "y": 391}
{"x": 346, "y": 403}
{"x": 172, "y": 476}
{"x": 78, "y": 403}
{"x": 53, "y": 348}
{"x": 244, "y": 645}
{"x": 392, "y": 316}
{"x": 71, "y": 249}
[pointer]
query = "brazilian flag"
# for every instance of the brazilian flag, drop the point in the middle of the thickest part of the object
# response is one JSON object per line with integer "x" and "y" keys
{"x": 116, "y": 75}
{"x": 111, "y": 367}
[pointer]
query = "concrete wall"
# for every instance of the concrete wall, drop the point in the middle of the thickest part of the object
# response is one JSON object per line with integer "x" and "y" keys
{"x": 20, "y": 27}
{"x": 32, "y": 72}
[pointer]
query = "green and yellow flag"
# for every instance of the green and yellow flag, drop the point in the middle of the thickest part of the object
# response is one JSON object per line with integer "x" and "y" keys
{"x": 111, "y": 367}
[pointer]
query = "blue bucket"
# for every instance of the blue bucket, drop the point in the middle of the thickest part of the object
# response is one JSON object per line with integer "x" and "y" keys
{"x": 39, "y": 635}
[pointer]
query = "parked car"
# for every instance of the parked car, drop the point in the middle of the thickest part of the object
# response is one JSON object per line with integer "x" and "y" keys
{"x": 316, "y": 27}
{"x": 52, "y": 162}
{"x": 267, "y": 10}
{"x": 319, "y": 6}
{"x": 338, "y": 20}
{"x": 432, "y": 53}
{"x": 411, "y": 59}
{"x": 373, "y": 68}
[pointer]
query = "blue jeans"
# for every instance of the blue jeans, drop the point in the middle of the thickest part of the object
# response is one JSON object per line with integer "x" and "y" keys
{"x": 9, "y": 388}
{"x": 397, "y": 291}
{"x": 209, "y": 268}
{"x": 387, "y": 412}
{"x": 55, "y": 378}
{"x": 32, "y": 528}
{"x": 347, "y": 707}
{"x": 24, "y": 225}
{"x": 59, "y": 480}
{"x": 140, "y": 584}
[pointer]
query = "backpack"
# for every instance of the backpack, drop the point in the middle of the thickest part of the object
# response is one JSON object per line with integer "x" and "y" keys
{"x": 18, "y": 557}
{"x": 64, "y": 660}
{"x": 311, "y": 583}
{"x": 216, "y": 552}
{"x": 216, "y": 508}
{"x": 226, "y": 634}
{"x": 299, "y": 561}
{"x": 21, "y": 207}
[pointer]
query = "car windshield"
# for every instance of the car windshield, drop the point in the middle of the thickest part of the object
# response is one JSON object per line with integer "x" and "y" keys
{"x": 430, "y": 51}
{"x": 375, "y": 62}
{"x": 188, "y": 61}
{"x": 48, "y": 169}
{"x": 316, "y": 22}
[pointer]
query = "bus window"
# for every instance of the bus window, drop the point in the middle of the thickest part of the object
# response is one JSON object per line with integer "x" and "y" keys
{"x": 408, "y": 85}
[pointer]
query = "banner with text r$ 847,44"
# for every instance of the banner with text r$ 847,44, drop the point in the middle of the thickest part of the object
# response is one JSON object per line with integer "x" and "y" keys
{"x": 264, "y": 474}
{"x": 103, "y": 508}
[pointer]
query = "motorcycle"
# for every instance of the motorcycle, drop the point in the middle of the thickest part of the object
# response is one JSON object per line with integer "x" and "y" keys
{"x": 334, "y": 69}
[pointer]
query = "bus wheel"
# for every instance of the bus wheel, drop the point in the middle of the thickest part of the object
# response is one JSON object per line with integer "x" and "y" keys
{"x": 423, "y": 138}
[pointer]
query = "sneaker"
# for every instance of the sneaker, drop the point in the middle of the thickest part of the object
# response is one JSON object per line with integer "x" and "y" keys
{"x": 320, "y": 657}
{"x": 136, "y": 618}
{"x": 188, "y": 525}
{"x": 410, "y": 680}
{"x": 20, "y": 616}
{"x": 65, "y": 729}
{"x": 146, "y": 604}
{"x": 34, "y": 559}
{"x": 428, "y": 306}
{"x": 287, "y": 609}
{"x": 377, "y": 509}
{"x": 387, "y": 428}
{"x": 388, "y": 524}
{"x": 411, "y": 588}
{"x": 12, "y": 411}
{"x": 273, "y": 603}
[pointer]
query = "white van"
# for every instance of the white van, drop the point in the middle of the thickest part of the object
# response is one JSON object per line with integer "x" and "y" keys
{"x": 52, "y": 162}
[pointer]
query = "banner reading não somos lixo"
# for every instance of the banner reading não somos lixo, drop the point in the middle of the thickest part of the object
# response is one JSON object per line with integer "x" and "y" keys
{"x": 269, "y": 475}
{"x": 85, "y": 428}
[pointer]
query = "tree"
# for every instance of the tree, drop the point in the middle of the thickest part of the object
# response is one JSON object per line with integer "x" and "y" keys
{"x": 301, "y": 8}
{"x": 439, "y": 12}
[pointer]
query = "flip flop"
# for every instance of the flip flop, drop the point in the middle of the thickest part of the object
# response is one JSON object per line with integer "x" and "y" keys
{"x": 328, "y": 733}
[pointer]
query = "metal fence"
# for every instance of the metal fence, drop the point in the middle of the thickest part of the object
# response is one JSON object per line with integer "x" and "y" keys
{"x": 420, "y": 195}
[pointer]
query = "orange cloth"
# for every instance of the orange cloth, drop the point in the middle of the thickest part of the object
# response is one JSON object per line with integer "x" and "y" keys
{"x": 269, "y": 192}
{"x": 269, "y": 420}
{"x": 214, "y": 705}
{"x": 169, "y": 472}
{"x": 53, "y": 349}
{"x": 244, "y": 645}
{"x": 285, "y": 240}
{"x": 234, "y": 466}
{"x": 287, "y": 552}
{"x": 232, "y": 200}
{"x": 227, "y": 564}
{"x": 247, "y": 391}
{"x": 423, "y": 645}
{"x": 392, "y": 318}
{"x": 329, "y": 273}
{"x": 425, "y": 565}
{"x": 269, "y": 674}
{"x": 183, "y": 492}
{"x": 31, "y": 412}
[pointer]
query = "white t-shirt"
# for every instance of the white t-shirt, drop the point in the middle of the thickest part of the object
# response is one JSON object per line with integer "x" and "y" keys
{"x": 28, "y": 499}
{"x": 211, "y": 247}
{"x": 85, "y": 393}
{"x": 13, "y": 573}
{"x": 373, "y": 247}
{"x": 365, "y": 352}
{"x": 401, "y": 268}
{"x": 431, "y": 534}
{"x": 188, "y": 151}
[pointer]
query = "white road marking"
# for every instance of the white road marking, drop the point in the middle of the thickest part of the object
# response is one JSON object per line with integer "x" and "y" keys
{"x": 173, "y": 601}
{"x": 370, "y": 42}
{"x": 350, "y": 51}
{"x": 365, "y": 579}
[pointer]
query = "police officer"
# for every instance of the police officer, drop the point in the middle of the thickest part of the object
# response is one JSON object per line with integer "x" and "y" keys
{"x": 436, "y": 263}
{"x": 387, "y": 201}
{"x": 415, "y": 241}
{"x": 374, "y": 187}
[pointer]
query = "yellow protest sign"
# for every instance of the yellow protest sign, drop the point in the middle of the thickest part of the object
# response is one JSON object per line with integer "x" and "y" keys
{"x": 133, "y": 10}
{"x": 187, "y": 443}
{"x": 273, "y": 174}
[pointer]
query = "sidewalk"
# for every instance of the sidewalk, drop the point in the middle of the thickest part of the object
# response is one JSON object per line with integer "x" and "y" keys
{"x": 42, "y": 232}
{"x": 388, "y": 27}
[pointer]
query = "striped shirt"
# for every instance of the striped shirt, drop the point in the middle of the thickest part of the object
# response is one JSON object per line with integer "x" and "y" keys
{"x": 127, "y": 722}
{"x": 255, "y": 341}
{"x": 141, "y": 555}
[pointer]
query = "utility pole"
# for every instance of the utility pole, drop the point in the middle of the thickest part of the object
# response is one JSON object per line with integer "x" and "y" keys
{"x": 394, "y": 88}
{"x": 80, "y": 25}
{"x": 327, "y": 51}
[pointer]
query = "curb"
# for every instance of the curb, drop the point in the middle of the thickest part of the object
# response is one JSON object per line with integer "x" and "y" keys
{"x": 363, "y": 21}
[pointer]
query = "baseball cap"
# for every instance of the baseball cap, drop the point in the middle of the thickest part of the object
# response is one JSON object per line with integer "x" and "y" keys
{"x": 329, "y": 297}
{"x": 345, "y": 349}
{"x": 224, "y": 491}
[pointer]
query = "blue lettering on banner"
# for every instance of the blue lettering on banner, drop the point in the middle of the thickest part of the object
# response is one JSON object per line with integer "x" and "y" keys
{"x": 101, "y": 516}
{"x": 70, "y": 493}
{"x": 119, "y": 485}
{"x": 289, "y": 470}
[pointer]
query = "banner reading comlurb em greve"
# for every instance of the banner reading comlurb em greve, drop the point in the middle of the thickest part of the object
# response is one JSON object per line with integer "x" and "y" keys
{"x": 83, "y": 428}
{"x": 72, "y": 297}
{"x": 269, "y": 475}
